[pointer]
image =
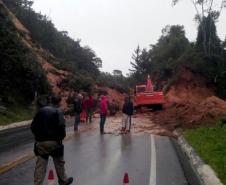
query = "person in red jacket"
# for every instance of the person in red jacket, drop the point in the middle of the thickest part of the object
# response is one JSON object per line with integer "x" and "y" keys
{"x": 103, "y": 112}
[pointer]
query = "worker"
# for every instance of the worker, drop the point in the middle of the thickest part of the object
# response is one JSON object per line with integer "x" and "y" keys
{"x": 127, "y": 111}
{"x": 103, "y": 112}
{"x": 48, "y": 127}
{"x": 77, "y": 110}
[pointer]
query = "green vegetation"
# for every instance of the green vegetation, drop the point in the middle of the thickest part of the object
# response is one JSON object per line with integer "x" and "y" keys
{"x": 173, "y": 52}
{"x": 210, "y": 144}
{"x": 15, "y": 114}
{"x": 115, "y": 81}
{"x": 164, "y": 60}
{"x": 70, "y": 55}
{"x": 78, "y": 82}
{"x": 20, "y": 73}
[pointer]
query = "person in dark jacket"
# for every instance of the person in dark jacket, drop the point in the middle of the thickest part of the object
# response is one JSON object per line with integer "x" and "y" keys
{"x": 78, "y": 109}
{"x": 127, "y": 111}
{"x": 48, "y": 127}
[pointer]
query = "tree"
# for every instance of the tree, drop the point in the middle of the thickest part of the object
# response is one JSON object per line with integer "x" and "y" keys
{"x": 136, "y": 58}
{"x": 160, "y": 60}
{"x": 224, "y": 44}
{"x": 206, "y": 16}
{"x": 117, "y": 73}
{"x": 140, "y": 64}
{"x": 21, "y": 75}
{"x": 211, "y": 42}
{"x": 70, "y": 54}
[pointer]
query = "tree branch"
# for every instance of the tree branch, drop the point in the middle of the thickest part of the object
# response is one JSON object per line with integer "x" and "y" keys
{"x": 202, "y": 9}
{"x": 222, "y": 6}
{"x": 211, "y": 5}
{"x": 193, "y": 2}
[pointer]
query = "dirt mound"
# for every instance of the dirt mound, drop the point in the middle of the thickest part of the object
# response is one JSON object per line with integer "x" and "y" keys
{"x": 117, "y": 96}
{"x": 112, "y": 94}
{"x": 188, "y": 88}
{"x": 189, "y": 103}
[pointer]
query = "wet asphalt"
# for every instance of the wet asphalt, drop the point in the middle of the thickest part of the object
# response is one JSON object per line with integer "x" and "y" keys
{"x": 94, "y": 159}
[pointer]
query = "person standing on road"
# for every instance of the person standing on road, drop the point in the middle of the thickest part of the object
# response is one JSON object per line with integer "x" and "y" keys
{"x": 127, "y": 111}
{"x": 78, "y": 110}
{"x": 103, "y": 112}
{"x": 48, "y": 127}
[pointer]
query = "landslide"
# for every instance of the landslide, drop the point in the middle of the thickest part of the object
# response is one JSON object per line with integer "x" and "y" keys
{"x": 190, "y": 102}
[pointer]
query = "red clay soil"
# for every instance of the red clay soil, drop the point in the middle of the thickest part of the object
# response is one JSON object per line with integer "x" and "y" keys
{"x": 189, "y": 103}
{"x": 117, "y": 96}
{"x": 55, "y": 76}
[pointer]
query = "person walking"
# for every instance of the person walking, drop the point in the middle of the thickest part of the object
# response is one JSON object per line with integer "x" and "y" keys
{"x": 77, "y": 110}
{"x": 48, "y": 128}
{"x": 103, "y": 113}
{"x": 127, "y": 111}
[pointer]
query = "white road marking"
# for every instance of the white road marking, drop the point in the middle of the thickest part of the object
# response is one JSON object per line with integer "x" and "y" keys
{"x": 153, "y": 162}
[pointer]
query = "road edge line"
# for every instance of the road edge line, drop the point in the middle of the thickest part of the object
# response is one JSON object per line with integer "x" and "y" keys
{"x": 26, "y": 157}
{"x": 20, "y": 160}
{"x": 153, "y": 162}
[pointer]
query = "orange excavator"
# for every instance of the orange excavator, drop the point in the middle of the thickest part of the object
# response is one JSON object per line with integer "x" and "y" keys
{"x": 145, "y": 96}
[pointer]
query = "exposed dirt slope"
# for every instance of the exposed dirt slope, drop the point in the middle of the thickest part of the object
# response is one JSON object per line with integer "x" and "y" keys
{"x": 189, "y": 87}
{"x": 189, "y": 103}
{"x": 117, "y": 96}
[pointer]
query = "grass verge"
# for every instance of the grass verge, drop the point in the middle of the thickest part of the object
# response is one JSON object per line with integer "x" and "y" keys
{"x": 210, "y": 144}
{"x": 15, "y": 114}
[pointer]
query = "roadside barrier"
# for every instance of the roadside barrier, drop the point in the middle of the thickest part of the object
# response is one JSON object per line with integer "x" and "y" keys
{"x": 126, "y": 179}
{"x": 51, "y": 180}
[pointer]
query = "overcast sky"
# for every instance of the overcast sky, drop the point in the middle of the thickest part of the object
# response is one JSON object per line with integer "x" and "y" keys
{"x": 114, "y": 28}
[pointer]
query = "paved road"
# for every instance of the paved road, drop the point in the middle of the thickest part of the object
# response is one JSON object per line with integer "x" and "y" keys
{"x": 16, "y": 142}
{"x": 93, "y": 159}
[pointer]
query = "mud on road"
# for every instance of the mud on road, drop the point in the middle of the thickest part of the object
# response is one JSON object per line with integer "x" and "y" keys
{"x": 142, "y": 123}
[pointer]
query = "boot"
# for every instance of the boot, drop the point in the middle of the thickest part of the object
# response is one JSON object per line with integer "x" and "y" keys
{"x": 68, "y": 181}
